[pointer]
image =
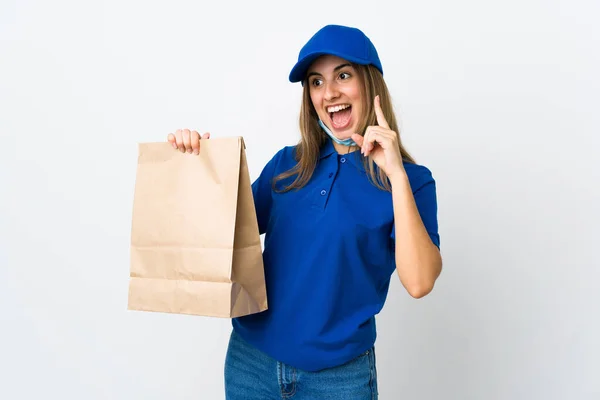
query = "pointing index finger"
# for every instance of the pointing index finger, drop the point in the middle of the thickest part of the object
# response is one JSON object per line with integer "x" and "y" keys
{"x": 381, "y": 121}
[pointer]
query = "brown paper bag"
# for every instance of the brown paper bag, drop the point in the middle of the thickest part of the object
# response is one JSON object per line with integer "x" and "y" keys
{"x": 195, "y": 245}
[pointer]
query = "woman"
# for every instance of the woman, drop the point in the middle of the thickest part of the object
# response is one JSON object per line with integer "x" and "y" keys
{"x": 341, "y": 211}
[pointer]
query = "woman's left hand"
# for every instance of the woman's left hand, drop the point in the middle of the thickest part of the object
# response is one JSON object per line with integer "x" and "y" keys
{"x": 381, "y": 143}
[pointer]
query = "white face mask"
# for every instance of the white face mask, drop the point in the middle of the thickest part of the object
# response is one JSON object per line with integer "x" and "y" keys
{"x": 344, "y": 142}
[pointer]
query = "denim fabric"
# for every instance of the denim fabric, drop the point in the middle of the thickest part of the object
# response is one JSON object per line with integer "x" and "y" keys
{"x": 252, "y": 375}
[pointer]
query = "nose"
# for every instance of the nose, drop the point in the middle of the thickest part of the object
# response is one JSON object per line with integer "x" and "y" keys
{"x": 331, "y": 91}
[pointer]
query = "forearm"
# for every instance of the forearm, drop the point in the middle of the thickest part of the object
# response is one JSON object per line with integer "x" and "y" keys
{"x": 418, "y": 260}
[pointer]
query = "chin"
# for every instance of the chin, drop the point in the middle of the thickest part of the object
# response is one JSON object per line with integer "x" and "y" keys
{"x": 345, "y": 133}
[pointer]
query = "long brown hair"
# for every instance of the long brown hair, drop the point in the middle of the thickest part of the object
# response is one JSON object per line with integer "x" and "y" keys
{"x": 313, "y": 137}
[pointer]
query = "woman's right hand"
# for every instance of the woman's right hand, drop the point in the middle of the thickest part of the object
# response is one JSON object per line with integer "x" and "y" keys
{"x": 185, "y": 140}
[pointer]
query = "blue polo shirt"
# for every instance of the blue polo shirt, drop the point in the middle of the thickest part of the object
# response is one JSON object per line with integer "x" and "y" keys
{"x": 328, "y": 257}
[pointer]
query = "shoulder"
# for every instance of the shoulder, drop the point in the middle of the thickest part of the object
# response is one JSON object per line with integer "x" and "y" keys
{"x": 287, "y": 152}
{"x": 282, "y": 160}
{"x": 418, "y": 175}
{"x": 283, "y": 157}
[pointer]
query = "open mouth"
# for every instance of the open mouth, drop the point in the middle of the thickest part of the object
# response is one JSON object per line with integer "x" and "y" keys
{"x": 340, "y": 115}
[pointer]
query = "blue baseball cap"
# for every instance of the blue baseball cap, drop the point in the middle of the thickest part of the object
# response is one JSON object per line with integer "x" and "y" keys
{"x": 342, "y": 41}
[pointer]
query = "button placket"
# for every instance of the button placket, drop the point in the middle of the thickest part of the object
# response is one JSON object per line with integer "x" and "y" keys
{"x": 324, "y": 191}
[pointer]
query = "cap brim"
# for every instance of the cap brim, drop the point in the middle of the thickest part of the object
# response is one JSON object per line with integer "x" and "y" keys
{"x": 298, "y": 73}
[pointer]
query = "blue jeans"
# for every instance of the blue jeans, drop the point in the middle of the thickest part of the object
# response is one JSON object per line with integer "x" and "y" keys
{"x": 250, "y": 374}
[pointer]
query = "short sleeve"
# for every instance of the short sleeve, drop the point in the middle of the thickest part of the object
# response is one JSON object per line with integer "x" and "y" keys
{"x": 262, "y": 193}
{"x": 424, "y": 192}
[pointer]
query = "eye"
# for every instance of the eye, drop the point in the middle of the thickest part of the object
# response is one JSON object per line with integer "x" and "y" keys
{"x": 316, "y": 82}
{"x": 344, "y": 75}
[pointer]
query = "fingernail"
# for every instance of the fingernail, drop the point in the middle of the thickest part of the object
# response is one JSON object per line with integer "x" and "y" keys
{"x": 196, "y": 152}
{"x": 174, "y": 145}
{"x": 189, "y": 151}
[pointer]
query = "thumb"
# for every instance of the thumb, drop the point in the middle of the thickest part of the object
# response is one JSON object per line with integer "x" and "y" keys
{"x": 358, "y": 139}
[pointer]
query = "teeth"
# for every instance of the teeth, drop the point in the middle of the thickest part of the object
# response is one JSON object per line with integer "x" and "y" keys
{"x": 337, "y": 108}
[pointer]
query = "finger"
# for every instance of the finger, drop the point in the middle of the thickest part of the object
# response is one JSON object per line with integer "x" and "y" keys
{"x": 374, "y": 140}
{"x": 179, "y": 139}
{"x": 171, "y": 139}
{"x": 375, "y": 136}
{"x": 381, "y": 121}
{"x": 195, "y": 142}
{"x": 358, "y": 139}
{"x": 366, "y": 147}
{"x": 206, "y": 135}
{"x": 370, "y": 140}
{"x": 187, "y": 140}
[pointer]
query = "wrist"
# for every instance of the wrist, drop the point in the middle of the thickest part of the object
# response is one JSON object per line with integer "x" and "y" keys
{"x": 398, "y": 177}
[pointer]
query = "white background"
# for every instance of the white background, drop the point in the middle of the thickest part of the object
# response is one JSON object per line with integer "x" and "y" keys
{"x": 499, "y": 99}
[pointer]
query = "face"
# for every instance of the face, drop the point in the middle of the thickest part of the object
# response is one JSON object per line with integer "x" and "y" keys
{"x": 335, "y": 91}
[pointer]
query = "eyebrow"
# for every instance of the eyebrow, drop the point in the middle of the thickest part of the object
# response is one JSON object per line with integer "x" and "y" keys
{"x": 334, "y": 70}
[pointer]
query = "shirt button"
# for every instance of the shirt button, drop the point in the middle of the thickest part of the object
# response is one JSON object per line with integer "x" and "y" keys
{"x": 343, "y": 160}
{"x": 323, "y": 192}
{"x": 330, "y": 174}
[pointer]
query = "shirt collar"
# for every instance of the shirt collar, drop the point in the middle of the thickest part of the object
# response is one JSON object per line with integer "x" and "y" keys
{"x": 327, "y": 149}
{"x": 354, "y": 157}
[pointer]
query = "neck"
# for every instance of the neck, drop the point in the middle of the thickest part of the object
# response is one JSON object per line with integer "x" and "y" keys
{"x": 341, "y": 149}
{"x": 342, "y": 146}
